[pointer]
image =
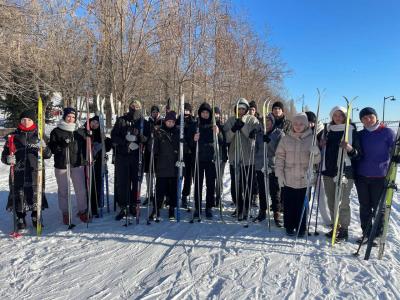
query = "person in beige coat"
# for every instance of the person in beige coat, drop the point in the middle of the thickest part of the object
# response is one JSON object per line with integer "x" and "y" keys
{"x": 291, "y": 168}
{"x": 240, "y": 132}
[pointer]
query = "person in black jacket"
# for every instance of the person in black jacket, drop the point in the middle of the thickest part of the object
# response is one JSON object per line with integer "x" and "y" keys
{"x": 128, "y": 140}
{"x": 166, "y": 153}
{"x": 206, "y": 159}
{"x": 25, "y": 159}
{"x": 97, "y": 151}
{"x": 332, "y": 141}
{"x": 66, "y": 141}
{"x": 223, "y": 148}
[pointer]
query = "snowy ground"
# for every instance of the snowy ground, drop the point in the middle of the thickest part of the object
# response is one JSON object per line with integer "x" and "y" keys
{"x": 187, "y": 261}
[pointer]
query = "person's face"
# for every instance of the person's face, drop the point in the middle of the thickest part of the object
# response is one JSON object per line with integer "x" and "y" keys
{"x": 241, "y": 111}
{"x": 187, "y": 112}
{"x": 277, "y": 112}
{"x": 94, "y": 124}
{"x": 70, "y": 118}
{"x": 170, "y": 123}
{"x": 369, "y": 120}
{"x": 205, "y": 114}
{"x": 338, "y": 117}
{"x": 26, "y": 122}
{"x": 252, "y": 111}
{"x": 217, "y": 116}
{"x": 134, "y": 106}
{"x": 268, "y": 124}
{"x": 298, "y": 126}
{"x": 155, "y": 114}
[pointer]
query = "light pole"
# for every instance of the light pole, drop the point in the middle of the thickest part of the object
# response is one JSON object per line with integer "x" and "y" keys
{"x": 352, "y": 110}
{"x": 391, "y": 98}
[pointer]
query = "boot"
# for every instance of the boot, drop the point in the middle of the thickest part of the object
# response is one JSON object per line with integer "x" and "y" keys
{"x": 277, "y": 219}
{"x": 132, "y": 210}
{"x": 209, "y": 213}
{"x": 261, "y": 217}
{"x": 184, "y": 202}
{"x": 290, "y": 232}
{"x": 330, "y": 233}
{"x": 121, "y": 215}
{"x": 34, "y": 219}
{"x": 342, "y": 235}
{"x": 196, "y": 214}
{"x": 171, "y": 213}
{"x": 21, "y": 223}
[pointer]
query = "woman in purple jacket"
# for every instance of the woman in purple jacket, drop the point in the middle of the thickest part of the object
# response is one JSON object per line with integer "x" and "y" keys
{"x": 376, "y": 143}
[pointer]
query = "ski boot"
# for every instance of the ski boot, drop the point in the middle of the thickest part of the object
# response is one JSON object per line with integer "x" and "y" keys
{"x": 342, "y": 235}
{"x": 277, "y": 219}
{"x": 121, "y": 215}
{"x": 21, "y": 223}
{"x": 171, "y": 213}
{"x": 261, "y": 217}
{"x": 209, "y": 213}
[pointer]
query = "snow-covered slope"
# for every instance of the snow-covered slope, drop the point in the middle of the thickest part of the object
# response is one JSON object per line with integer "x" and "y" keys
{"x": 187, "y": 261}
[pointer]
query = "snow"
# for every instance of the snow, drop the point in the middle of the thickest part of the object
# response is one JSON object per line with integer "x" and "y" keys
{"x": 187, "y": 261}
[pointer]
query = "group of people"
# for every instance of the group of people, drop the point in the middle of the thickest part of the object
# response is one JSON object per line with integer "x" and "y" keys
{"x": 150, "y": 146}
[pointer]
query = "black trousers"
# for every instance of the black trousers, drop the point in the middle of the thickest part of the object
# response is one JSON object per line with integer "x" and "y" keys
{"x": 127, "y": 173}
{"x": 369, "y": 192}
{"x": 275, "y": 193}
{"x": 188, "y": 174}
{"x": 293, "y": 206}
{"x": 166, "y": 187}
{"x": 245, "y": 183}
{"x": 207, "y": 169}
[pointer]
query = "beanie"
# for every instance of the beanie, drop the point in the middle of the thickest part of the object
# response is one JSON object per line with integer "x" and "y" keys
{"x": 217, "y": 110}
{"x": 253, "y": 104}
{"x": 367, "y": 111}
{"x": 278, "y": 104}
{"x": 69, "y": 110}
{"x": 187, "y": 106}
{"x": 311, "y": 117}
{"x": 341, "y": 108}
{"x": 171, "y": 115}
{"x": 204, "y": 106}
{"x": 31, "y": 114}
{"x": 154, "y": 108}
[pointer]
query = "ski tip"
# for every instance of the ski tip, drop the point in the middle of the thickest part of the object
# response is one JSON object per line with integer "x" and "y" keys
{"x": 15, "y": 235}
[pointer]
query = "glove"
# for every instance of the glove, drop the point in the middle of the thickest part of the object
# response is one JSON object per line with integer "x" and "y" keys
{"x": 41, "y": 143}
{"x": 11, "y": 160}
{"x": 252, "y": 134}
{"x": 130, "y": 138}
{"x": 314, "y": 150}
{"x": 238, "y": 125}
{"x": 281, "y": 182}
{"x": 266, "y": 138}
{"x": 133, "y": 146}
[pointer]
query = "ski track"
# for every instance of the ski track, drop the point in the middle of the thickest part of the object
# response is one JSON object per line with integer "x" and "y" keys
{"x": 207, "y": 260}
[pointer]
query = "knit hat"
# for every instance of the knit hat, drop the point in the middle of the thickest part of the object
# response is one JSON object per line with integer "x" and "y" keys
{"x": 302, "y": 117}
{"x": 278, "y": 104}
{"x": 171, "y": 115}
{"x": 67, "y": 111}
{"x": 95, "y": 118}
{"x": 187, "y": 106}
{"x": 253, "y": 104}
{"x": 311, "y": 117}
{"x": 217, "y": 110}
{"x": 341, "y": 108}
{"x": 242, "y": 103}
{"x": 136, "y": 103}
{"x": 154, "y": 108}
{"x": 204, "y": 106}
{"x": 367, "y": 111}
{"x": 31, "y": 114}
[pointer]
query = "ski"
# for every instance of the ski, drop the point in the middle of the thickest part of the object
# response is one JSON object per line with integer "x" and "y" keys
{"x": 140, "y": 170}
{"x": 196, "y": 180}
{"x": 340, "y": 173}
{"x": 39, "y": 169}
{"x": 217, "y": 162}
{"x": 180, "y": 163}
{"x": 89, "y": 158}
{"x": 103, "y": 152}
{"x": 68, "y": 165}
{"x": 265, "y": 169}
{"x": 12, "y": 150}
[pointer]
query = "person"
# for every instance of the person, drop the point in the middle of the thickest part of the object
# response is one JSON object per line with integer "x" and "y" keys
{"x": 291, "y": 168}
{"x": 281, "y": 121}
{"x": 239, "y": 134}
{"x": 331, "y": 142}
{"x": 67, "y": 143}
{"x": 97, "y": 151}
{"x": 377, "y": 142}
{"x": 166, "y": 155}
{"x": 253, "y": 110}
{"x": 223, "y": 148}
{"x": 322, "y": 204}
{"x": 206, "y": 159}
{"x": 189, "y": 155}
{"x": 23, "y": 193}
{"x": 129, "y": 133}
{"x": 272, "y": 139}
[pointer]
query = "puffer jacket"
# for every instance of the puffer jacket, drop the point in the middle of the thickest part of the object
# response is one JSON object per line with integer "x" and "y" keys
{"x": 292, "y": 158}
{"x": 250, "y": 123}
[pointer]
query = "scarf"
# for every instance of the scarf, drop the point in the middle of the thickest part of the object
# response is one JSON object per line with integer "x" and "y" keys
{"x": 70, "y": 127}
{"x": 26, "y": 129}
{"x": 373, "y": 127}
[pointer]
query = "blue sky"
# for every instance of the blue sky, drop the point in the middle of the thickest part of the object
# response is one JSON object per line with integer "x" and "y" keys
{"x": 351, "y": 48}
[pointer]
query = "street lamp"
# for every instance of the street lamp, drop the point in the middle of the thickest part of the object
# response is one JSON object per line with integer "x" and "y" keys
{"x": 391, "y": 98}
{"x": 352, "y": 110}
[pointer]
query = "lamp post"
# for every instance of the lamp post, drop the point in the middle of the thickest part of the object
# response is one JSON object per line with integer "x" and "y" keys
{"x": 352, "y": 110}
{"x": 391, "y": 98}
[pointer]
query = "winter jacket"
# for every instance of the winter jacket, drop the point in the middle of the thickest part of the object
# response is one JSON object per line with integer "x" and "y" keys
{"x": 25, "y": 172}
{"x": 283, "y": 124}
{"x": 166, "y": 151}
{"x": 131, "y": 124}
{"x": 190, "y": 128}
{"x": 375, "y": 151}
{"x": 250, "y": 124}
{"x": 76, "y": 147}
{"x": 223, "y": 147}
{"x": 333, "y": 134}
{"x": 292, "y": 159}
{"x": 275, "y": 136}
